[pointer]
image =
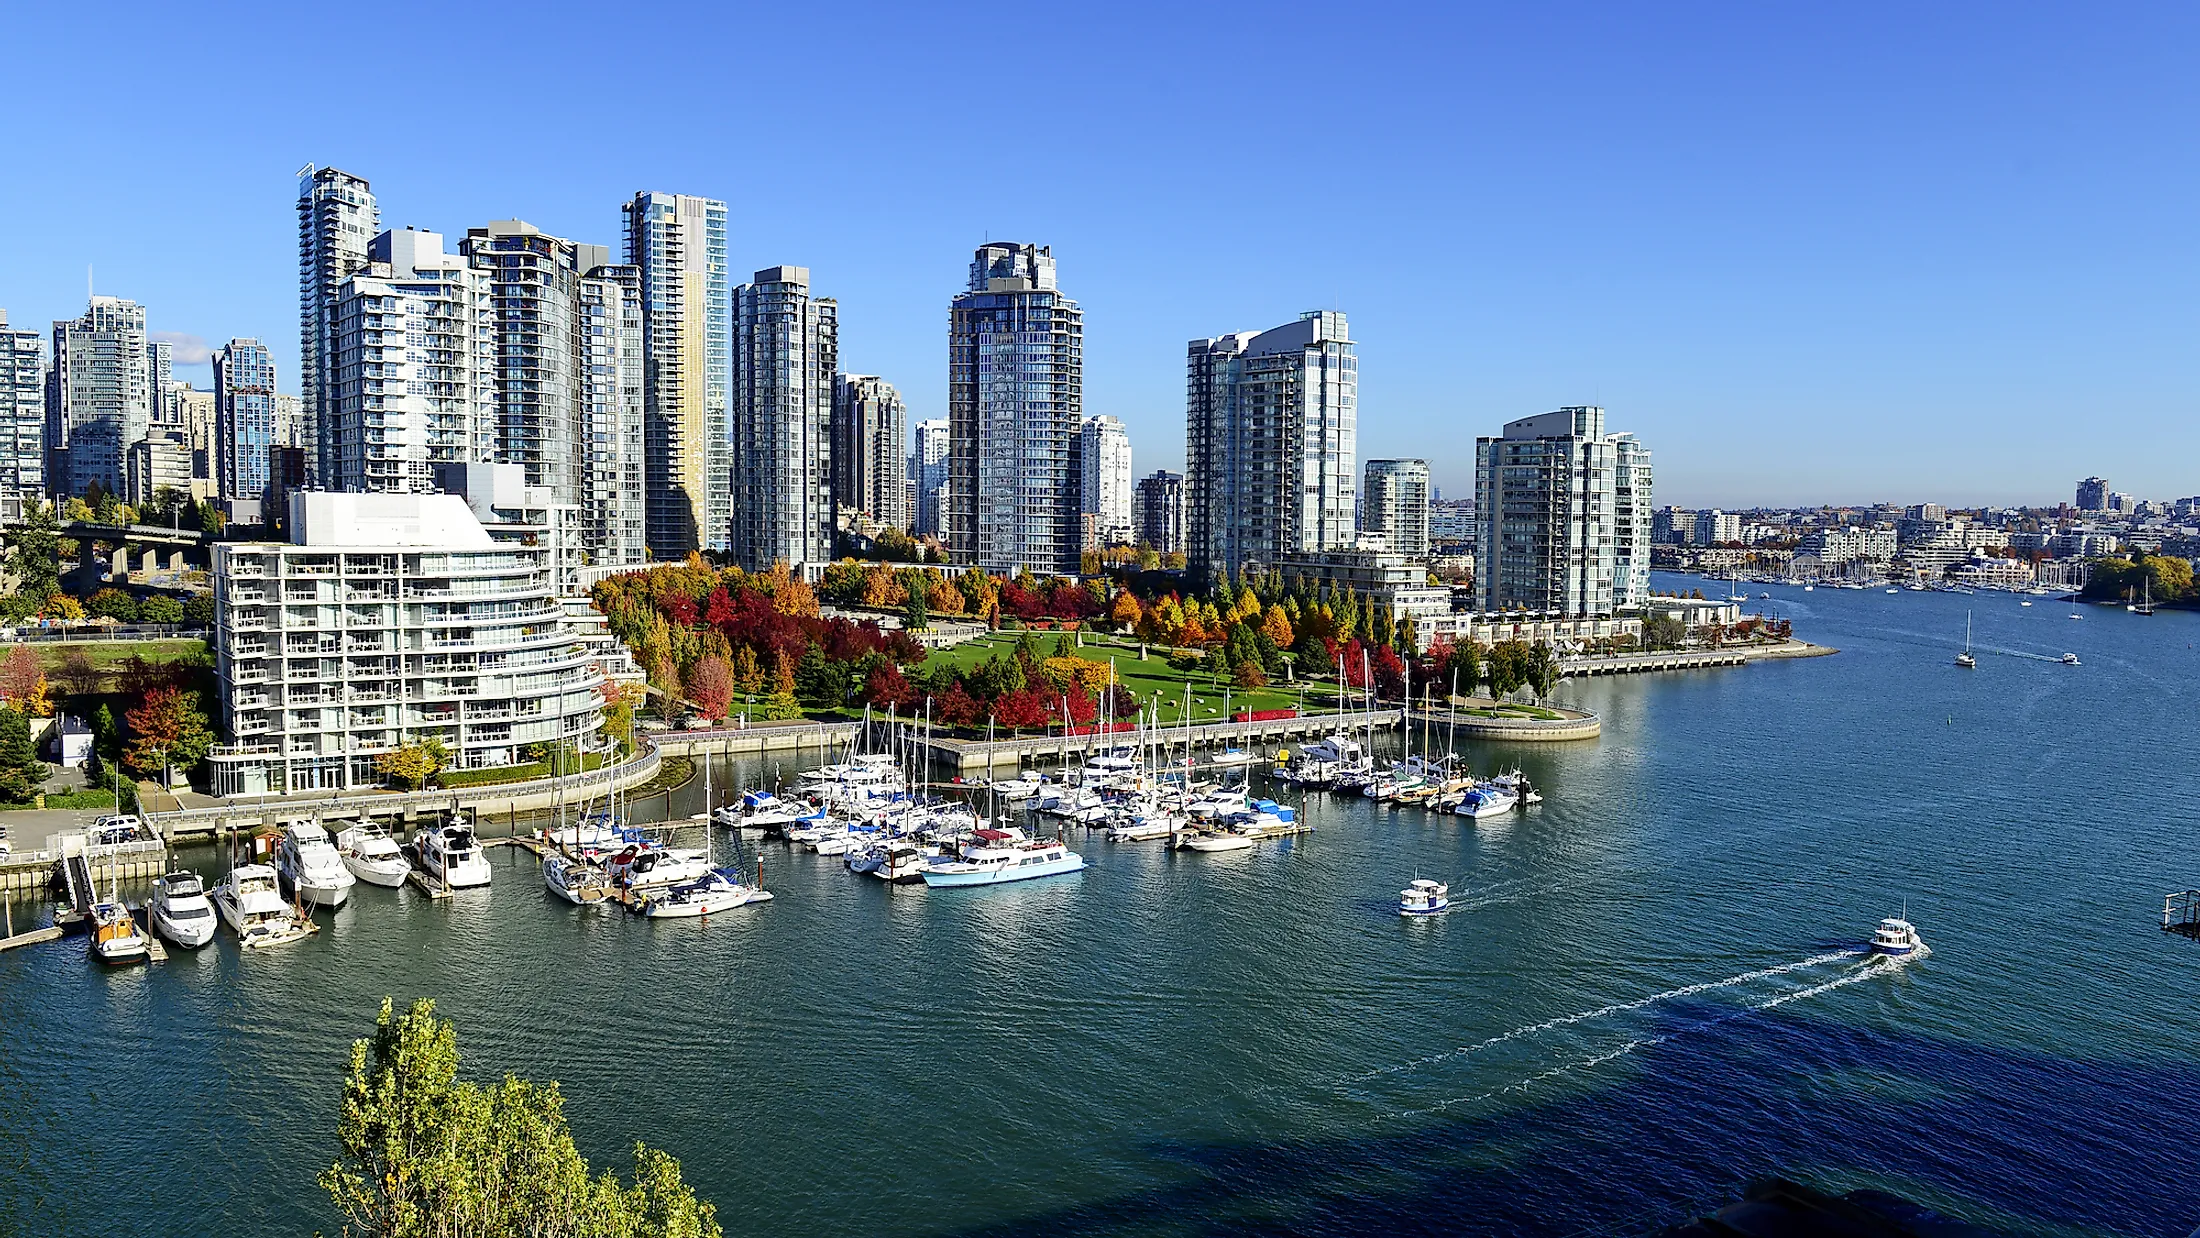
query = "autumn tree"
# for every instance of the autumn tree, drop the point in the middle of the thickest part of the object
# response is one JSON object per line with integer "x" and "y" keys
{"x": 23, "y": 681}
{"x": 1277, "y": 626}
{"x": 168, "y": 728}
{"x": 710, "y": 686}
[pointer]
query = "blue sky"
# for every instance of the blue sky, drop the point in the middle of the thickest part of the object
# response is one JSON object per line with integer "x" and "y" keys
{"x": 1849, "y": 253}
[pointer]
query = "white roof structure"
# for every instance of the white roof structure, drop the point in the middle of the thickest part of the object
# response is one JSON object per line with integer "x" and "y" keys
{"x": 385, "y": 521}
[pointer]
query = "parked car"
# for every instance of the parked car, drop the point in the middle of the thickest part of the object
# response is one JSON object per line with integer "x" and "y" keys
{"x": 117, "y": 828}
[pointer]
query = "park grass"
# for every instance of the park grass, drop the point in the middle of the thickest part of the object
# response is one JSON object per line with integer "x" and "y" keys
{"x": 106, "y": 655}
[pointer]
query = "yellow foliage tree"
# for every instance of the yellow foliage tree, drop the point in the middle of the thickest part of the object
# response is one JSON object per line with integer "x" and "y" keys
{"x": 1126, "y": 612}
{"x": 1277, "y": 627}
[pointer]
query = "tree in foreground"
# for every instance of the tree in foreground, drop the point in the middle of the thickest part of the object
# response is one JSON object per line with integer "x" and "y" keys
{"x": 422, "y": 1153}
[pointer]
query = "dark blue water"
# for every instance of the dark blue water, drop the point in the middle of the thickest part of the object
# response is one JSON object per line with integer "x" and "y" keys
{"x": 1646, "y": 995}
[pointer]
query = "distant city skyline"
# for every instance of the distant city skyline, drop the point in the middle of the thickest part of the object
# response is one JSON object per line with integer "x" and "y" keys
{"x": 1775, "y": 244}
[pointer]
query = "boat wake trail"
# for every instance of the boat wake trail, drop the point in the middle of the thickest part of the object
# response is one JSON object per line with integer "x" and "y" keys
{"x": 1601, "y": 1012}
{"x": 1862, "y": 972}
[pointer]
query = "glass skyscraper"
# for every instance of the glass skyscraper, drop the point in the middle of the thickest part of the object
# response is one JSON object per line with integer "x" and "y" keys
{"x": 22, "y": 416}
{"x": 1271, "y": 435}
{"x": 337, "y": 221}
{"x": 244, "y": 418}
{"x": 786, "y": 352}
{"x": 1394, "y": 503}
{"x": 98, "y": 396}
{"x": 1015, "y": 411}
{"x": 679, "y": 244}
{"x": 870, "y": 474}
{"x": 1562, "y": 513}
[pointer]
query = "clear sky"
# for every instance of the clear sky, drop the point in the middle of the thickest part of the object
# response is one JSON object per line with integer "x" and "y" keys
{"x": 1807, "y": 253}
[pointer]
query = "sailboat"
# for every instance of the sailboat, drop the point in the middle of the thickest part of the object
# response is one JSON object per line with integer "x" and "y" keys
{"x": 2145, "y": 605}
{"x": 1965, "y": 659}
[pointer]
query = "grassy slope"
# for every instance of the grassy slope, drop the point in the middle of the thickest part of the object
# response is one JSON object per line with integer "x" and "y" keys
{"x": 1146, "y": 676}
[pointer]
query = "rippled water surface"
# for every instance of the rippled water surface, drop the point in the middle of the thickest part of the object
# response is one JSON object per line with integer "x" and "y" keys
{"x": 1648, "y": 991}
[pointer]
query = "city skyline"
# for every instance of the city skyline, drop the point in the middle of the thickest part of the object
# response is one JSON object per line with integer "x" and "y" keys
{"x": 1843, "y": 282}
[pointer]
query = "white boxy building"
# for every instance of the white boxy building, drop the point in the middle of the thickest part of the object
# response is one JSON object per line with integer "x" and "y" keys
{"x": 388, "y": 620}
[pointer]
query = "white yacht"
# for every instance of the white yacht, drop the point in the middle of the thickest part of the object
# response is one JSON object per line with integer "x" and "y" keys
{"x": 1220, "y": 838}
{"x": 451, "y": 855}
{"x": 1487, "y": 800}
{"x": 1964, "y": 659}
{"x": 904, "y": 862}
{"x": 1145, "y": 826}
{"x": 180, "y": 911}
{"x": 2070, "y": 659}
{"x": 1021, "y": 787}
{"x": 1896, "y": 937}
{"x": 1424, "y": 898}
{"x": 577, "y": 881}
{"x": 656, "y": 868}
{"x": 372, "y": 855}
{"x": 761, "y": 810}
{"x": 1220, "y": 802}
{"x": 309, "y": 864}
{"x": 1234, "y": 756}
{"x": 253, "y": 907}
{"x": 714, "y": 891}
{"x": 995, "y": 856}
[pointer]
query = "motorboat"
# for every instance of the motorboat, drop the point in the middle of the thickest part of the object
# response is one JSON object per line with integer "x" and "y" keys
{"x": 655, "y": 868}
{"x": 1234, "y": 756}
{"x": 310, "y": 865}
{"x": 1220, "y": 802}
{"x": 372, "y": 855}
{"x": 903, "y": 862}
{"x": 116, "y": 938}
{"x": 2025, "y": 603}
{"x": 1222, "y": 839}
{"x": 716, "y": 890}
{"x": 2070, "y": 659}
{"x": 577, "y": 881}
{"x": 1145, "y": 826}
{"x": 995, "y": 857}
{"x": 1424, "y": 898}
{"x": 761, "y": 810}
{"x": 1516, "y": 782}
{"x": 1486, "y": 800}
{"x": 452, "y": 856}
{"x": 180, "y": 911}
{"x": 253, "y": 907}
{"x": 1894, "y": 590}
{"x": 1896, "y": 937}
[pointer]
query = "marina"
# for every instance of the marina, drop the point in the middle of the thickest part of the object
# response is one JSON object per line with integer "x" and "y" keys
{"x": 1300, "y": 1014}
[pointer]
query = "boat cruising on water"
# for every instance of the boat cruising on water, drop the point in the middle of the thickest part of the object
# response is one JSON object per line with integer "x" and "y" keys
{"x": 1964, "y": 659}
{"x": 253, "y": 907}
{"x": 371, "y": 855}
{"x": 180, "y": 911}
{"x": 116, "y": 938}
{"x": 1424, "y": 898}
{"x": 2070, "y": 659}
{"x": 451, "y": 855}
{"x": 577, "y": 881}
{"x": 714, "y": 891}
{"x": 1896, "y": 937}
{"x": 309, "y": 863}
{"x": 995, "y": 856}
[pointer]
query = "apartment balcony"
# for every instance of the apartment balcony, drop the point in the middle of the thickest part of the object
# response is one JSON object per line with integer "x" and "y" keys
{"x": 231, "y": 751}
{"x": 253, "y": 674}
{"x": 257, "y": 700}
{"x": 254, "y": 726}
{"x": 239, "y": 597}
{"x": 248, "y": 623}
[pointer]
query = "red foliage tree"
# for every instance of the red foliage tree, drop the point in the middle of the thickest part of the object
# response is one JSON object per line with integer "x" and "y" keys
{"x": 888, "y": 688}
{"x": 958, "y": 708}
{"x": 710, "y": 686}
{"x": 1355, "y": 668}
{"x": 1390, "y": 673}
{"x": 718, "y": 612}
{"x": 679, "y": 609}
{"x": 1018, "y": 710}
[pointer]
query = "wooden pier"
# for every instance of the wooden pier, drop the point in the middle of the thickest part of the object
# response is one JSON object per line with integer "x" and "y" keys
{"x": 32, "y": 938}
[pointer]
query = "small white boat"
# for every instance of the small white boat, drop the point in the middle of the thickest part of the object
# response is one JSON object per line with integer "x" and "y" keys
{"x": 656, "y": 868}
{"x": 1896, "y": 937}
{"x": 1894, "y": 590}
{"x": 2070, "y": 659}
{"x": 372, "y": 855}
{"x": 1217, "y": 839}
{"x": 1141, "y": 828}
{"x": 116, "y": 938}
{"x": 309, "y": 863}
{"x": 1234, "y": 756}
{"x": 903, "y": 863}
{"x": 2024, "y": 603}
{"x": 714, "y": 891}
{"x": 1424, "y": 898}
{"x": 1486, "y": 800}
{"x": 450, "y": 855}
{"x": 253, "y": 907}
{"x": 1964, "y": 659}
{"x": 577, "y": 881}
{"x": 180, "y": 911}
{"x": 1021, "y": 787}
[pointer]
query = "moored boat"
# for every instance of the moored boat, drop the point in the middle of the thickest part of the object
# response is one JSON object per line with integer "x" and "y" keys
{"x": 371, "y": 855}
{"x": 254, "y": 909}
{"x": 577, "y": 881}
{"x": 451, "y": 855}
{"x": 715, "y": 891}
{"x": 994, "y": 857}
{"x": 180, "y": 911}
{"x": 310, "y": 865}
{"x": 116, "y": 938}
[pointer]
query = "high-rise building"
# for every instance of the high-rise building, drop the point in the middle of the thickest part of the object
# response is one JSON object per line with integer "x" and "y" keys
{"x": 22, "y": 417}
{"x": 337, "y": 221}
{"x": 2093, "y": 494}
{"x": 1451, "y": 522}
{"x": 1547, "y": 514}
{"x": 97, "y": 398}
{"x": 1105, "y": 457}
{"x": 1631, "y": 518}
{"x": 159, "y": 461}
{"x": 196, "y": 416}
{"x": 870, "y": 474}
{"x": 928, "y": 474}
{"x": 1394, "y": 502}
{"x": 679, "y": 243}
{"x": 1159, "y": 516}
{"x": 568, "y": 378}
{"x": 786, "y": 352}
{"x": 1270, "y": 441}
{"x": 614, "y": 515}
{"x": 413, "y": 368}
{"x": 1015, "y": 411}
{"x": 244, "y": 418}
{"x": 291, "y": 429}
{"x": 160, "y": 376}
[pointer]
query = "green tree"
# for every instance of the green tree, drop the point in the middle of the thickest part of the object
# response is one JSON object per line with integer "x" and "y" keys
{"x": 1507, "y": 668}
{"x": 198, "y": 609}
{"x": 112, "y": 603}
{"x": 1540, "y": 669}
{"x": 36, "y": 558}
{"x": 914, "y": 616}
{"x": 20, "y": 770}
{"x": 160, "y": 608}
{"x": 412, "y": 765}
{"x": 422, "y": 1154}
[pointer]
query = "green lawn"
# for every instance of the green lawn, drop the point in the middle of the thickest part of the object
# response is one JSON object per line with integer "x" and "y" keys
{"x": 108, "y": 654}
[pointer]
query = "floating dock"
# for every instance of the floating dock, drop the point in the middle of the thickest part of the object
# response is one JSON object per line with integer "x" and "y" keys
{"x": 2181, "y": 914}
